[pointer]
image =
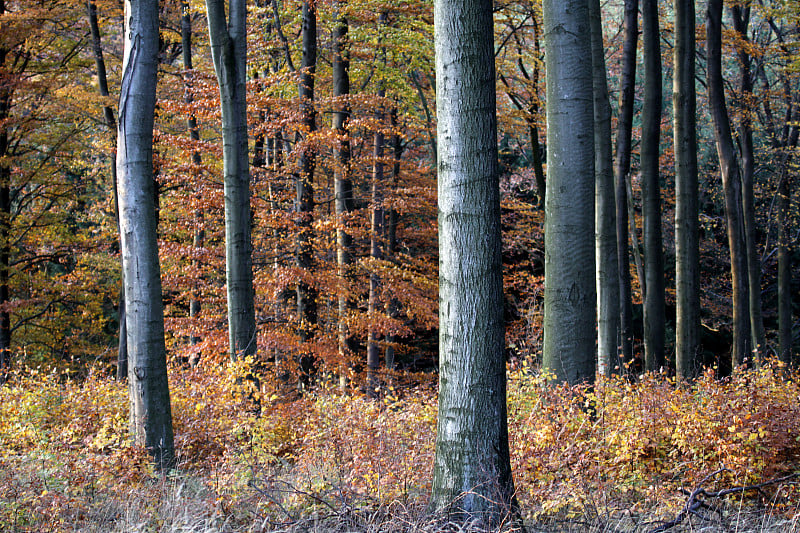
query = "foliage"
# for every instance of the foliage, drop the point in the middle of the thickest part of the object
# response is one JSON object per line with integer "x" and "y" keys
{"x": 66, "y": 460}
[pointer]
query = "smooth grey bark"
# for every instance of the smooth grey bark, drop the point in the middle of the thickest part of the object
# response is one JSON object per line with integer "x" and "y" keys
{"x": 198, "y": 239}
{"x": 472, "y": 470}
{"x": 654, "y": 297}
{"x": 569, "y": 267}
{"x": 687, "y": 247}
{"x": 343, "y": 184}
{"x": 229, "y": 51}
{"x": 622, "y": 168}
{"x": 306, "y": 292}
{"x": 741, "y": 21}
{"x": 731, "y": 184}
{"x": 111, "y": 124}
{"x": 605, "y": 216}
{"x": 151, "y": 416}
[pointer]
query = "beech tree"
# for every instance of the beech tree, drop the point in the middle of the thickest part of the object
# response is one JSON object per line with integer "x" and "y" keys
{"x": 687, "y": 253}
{"x": 151, "y": 416}
{"x": 569, "y": 268}
{"x": 472, "y": 470}
{"x": 228, "y": 34}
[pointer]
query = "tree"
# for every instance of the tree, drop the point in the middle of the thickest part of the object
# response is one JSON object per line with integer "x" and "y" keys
{"x": 731, "y": 183}
{"x": 151, "y": 416}
{"x": 569, "y": 297}
{"x": 605, "y": 208}
{"x": 622, "y": 170}
{"x": 228, "y": 36}
{"x": 472, "y": 470}
{"x": 654, "y": 322}
{"x": 687, "y": 249}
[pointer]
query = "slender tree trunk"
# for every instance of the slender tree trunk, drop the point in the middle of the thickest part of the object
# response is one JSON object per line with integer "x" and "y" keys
{"x": 376, "y": 250}
{"x": 151, "y": 417}
{"x": 569, "y": 268}
{"x": 5, "y": 221}
{"x": 390, "y": 229}
{"x": 198, "y": 238}
{"x": 621, "y": 175}
{"x": 741, "y": 20}
{"x": 343, "y": 184}
{"x": 607, "y": 275}
{"x": 306, "y": 292}
{"x": 472, "y": 470}
{"x": 654, "y": 298}
{"x": 229, "y": 52}
{"x": 111, "y": 124}
{"x": 687, "y": 248}
{"x": 784, "y": 204}
{"x": 731, "y": 183}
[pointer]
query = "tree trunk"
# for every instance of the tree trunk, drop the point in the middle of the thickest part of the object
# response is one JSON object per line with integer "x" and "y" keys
{"x": 198, "y": 238}
{"x": 229, "y": 52}
{"x": 343, "y": 185}
{"x": 5, "y": 220}
{"x": 784, "y": 204}
{"x": 607, "y": 274}
{"x": 306, "y": 292}
{"x": 621, "y": 174}
{"x": 687, "y": 248}
{"x": 741, "y": 19}
{"x": 654, "y": 304}
{"x": 376, "y": 250}
{"x": 390, "y": 230}
{"x": 569, "y": 294}
{"x": 111, "y": 124}
{"x": 472, "y": 470}
{"x": 151, "y": 417}
{"x": 731, "y": 183}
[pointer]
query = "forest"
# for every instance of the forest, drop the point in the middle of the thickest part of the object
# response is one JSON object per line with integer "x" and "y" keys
{"x": 410, "y": 265}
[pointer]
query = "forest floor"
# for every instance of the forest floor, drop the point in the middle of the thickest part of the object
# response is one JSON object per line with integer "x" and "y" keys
{"x": 329, "y": 462}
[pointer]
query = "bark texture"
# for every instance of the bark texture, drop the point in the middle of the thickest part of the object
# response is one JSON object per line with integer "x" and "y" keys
{"x": 229, "y": 52}
{"x": 687, "y": 248}
{"x": 472, "y": 471}
{"x": 654, "y": 321}
{"x": 607, "y": 277}
{"x": 569, "y": 268}
{"x": 731, "y": 184}
{"x": 151, "y": 417}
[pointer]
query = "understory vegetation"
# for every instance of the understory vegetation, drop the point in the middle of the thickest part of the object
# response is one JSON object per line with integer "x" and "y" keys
{"x": 614, "y": 458}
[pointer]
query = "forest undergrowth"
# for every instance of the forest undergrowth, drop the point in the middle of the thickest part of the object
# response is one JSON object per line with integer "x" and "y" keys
{"x": 614, "y": 458}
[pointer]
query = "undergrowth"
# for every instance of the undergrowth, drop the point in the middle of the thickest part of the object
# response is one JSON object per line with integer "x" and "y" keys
{"x": 613, "y": 458}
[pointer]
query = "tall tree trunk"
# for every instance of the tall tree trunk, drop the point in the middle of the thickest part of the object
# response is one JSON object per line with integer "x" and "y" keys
{"x": 654, "y": 304}
{"x": 111, "y": 124}
{"x": 151, "y": 417}
{"x": 607, "y": 275}
{"x": 784, "y": 204}
{"x": 472, "y": 470}
{"x": 229, "y": 52}
{"x": 5, "y": 221}
{"x": 731, "y": 183}
{"x": 306, "y": 292}
{"x": 622, "y": 170}
{"x": 741, "y": 20}
{"x": 687, "y": 247}
{"x": 198, "y": 239}
{"x": 569, "y": 268}
{"x": 390, "y": 230}
{"x": 343, "y": 184}
{"x": 376, "y": 249}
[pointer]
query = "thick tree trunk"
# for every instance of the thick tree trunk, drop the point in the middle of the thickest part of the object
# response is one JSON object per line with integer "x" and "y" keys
{"x": 472, "y": 471}
{"x": 741, "y": 20}
{"x": 343, "y": 185}
{"x": 569, "y": 294}
{"x": 151, "y": 417}
{"x": 654, "y": 298}
{"x": 687, "y": 248}
{"x": 731, "y": 183}
{"x": 306, "y": 292}
{"x": 622, "y": 170}
{"x": 607, "y": 275}
{"x": 229, "y": 51}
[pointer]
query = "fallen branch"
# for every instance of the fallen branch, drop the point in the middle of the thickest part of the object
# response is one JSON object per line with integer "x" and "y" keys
{"x": 697, "y": 498}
